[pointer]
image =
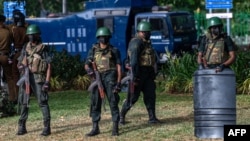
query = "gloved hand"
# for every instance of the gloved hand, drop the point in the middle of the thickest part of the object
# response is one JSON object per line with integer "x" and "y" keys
{"x": 90, "y": 71}
{"x": 46, "y": 86}
{"x": 20, "y": 67}
{"x": 220, "y": 68}
{"x": 117, "y": 88}
{"x": 200, "y": 67}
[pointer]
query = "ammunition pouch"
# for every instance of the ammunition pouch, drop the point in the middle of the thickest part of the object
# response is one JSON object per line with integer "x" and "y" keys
{"x": 37, "y": 64}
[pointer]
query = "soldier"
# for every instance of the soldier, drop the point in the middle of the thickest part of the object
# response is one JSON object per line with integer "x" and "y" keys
{"x": 108, "y": 63}
{"x": 5, "y": 43}
{"x": 35, "y": 58}
{"x": 142, "y": 60}
{"x": 17, "y": 29}
{"x": 217, "y": 50}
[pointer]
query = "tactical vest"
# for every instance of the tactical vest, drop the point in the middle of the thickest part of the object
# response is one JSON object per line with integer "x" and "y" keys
{"x": 147, "y": 54}
{"x": 104, "y": 58}
{"x": 35, "y": 61}
{"x": 215, "y": 51}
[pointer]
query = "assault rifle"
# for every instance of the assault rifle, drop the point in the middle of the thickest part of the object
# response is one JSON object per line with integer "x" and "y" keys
{"x": 25, "y": 80}
{"x": 130, "y": 80}
{"x": 97, "y": 83}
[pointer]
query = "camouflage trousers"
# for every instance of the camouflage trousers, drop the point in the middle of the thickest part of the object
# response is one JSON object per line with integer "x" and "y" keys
{"x": 7, "y": 108}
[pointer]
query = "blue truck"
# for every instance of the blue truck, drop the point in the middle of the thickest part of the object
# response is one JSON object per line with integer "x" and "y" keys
{"x": 172, "y": 31}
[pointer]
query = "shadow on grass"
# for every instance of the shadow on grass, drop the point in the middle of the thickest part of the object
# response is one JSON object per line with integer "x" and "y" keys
{"x": 130, "y": 126}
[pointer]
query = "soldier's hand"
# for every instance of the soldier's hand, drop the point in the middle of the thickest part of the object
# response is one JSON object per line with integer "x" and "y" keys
{"x": 117, "y": 88}
{"x": 220, "y": 68}
{"x": 46, "y": 86}
{"x": 21, "y": 68}
{"x": 90, "y": 72}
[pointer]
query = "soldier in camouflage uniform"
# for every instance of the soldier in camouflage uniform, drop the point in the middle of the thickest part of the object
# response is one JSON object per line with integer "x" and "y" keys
{"x": 142, "y": 60}
{"x": 108, "y": 63}
{"x": 6, "y": 107}
{"x": 35, "y": 56}
{"x": 18, "y": 33}
{"x": 216, "y": 50}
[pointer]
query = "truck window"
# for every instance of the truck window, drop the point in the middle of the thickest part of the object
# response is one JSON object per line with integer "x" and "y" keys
{"x": 107, "y": 22}
{"x": 182, "y": 23}
{"x": 159, "y": 25}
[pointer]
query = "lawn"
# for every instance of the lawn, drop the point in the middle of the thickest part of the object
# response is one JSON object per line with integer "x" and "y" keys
{"x": 71, "y": 121}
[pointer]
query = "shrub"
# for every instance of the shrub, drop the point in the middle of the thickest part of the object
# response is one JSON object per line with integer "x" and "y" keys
{"x": 81, "y": 82}
{"x": 67, "y": 66}
{"x": 179, "y": 73}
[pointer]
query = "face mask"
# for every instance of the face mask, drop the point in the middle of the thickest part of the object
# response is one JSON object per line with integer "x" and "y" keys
{"x": 33, "y": 38}
{"x": 103, "y": 40}
{"x": 215, "y": 30}
{"x": 147, "y": 35}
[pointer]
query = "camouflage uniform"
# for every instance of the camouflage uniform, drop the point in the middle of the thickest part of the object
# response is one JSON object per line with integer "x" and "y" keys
{"x": 106, "y": 61}
{"x": 6, "y": 107}
{"x": 216, "y": 50}
{"x": 37, "y": 59}
{"x": 142, "y": 60}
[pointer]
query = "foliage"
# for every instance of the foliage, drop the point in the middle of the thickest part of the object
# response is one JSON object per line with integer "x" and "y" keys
{"x": 35, "y": 7}
{"x": 242, "y": 71}
{"x": 179, "y": 71}
{"x": 56, "y": 84}
{"x": 245, "y": 86}
{"x": 66, "y": 66}
{"x": 52, "y": 6}
{"x": 81, "y": 82}
{"x": 189, "y": 5}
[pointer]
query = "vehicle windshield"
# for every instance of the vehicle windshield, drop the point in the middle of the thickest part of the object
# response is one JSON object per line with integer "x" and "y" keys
{"x": 158, "y": 25}
{"x": 183, "y": 24}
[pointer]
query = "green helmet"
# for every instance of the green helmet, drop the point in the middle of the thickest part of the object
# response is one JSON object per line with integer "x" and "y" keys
{"x": 33, "y": 29}
{"x": 144, "y": 26}
{"x": 103, "y": 31}
{"x": 214, "y": 21}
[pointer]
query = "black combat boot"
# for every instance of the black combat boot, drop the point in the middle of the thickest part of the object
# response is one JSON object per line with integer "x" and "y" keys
{"x": 21, "y": 127}
{"x": 115, "y": 130}
{"x": 46, "y": 130}
{"x": 152, "y": 117}
{"x": 122, "y": 116}
{"x": 94, "y": 131}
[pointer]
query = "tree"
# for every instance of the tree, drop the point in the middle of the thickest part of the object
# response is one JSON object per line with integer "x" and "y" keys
{"x": 37, "y": 7}
{"x": 52, "y": 6}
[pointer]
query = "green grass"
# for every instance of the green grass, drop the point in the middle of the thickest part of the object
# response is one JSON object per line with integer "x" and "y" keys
{"x": 71, "y": 121}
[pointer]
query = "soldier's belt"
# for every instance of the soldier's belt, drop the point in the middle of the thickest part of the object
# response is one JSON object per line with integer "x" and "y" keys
{"x": 105, "y": 71}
